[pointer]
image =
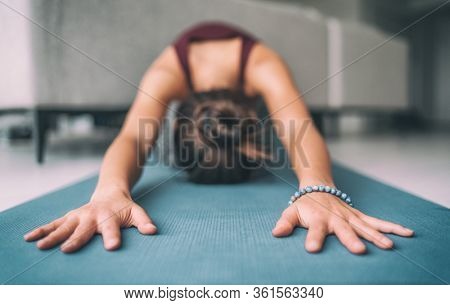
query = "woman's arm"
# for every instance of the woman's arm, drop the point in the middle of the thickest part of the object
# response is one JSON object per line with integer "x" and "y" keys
{"x": 307, "y": 151}
{"x": 111, "y": 206}
{"x": 321, "y": 213}
{"x": 123, "y": 160}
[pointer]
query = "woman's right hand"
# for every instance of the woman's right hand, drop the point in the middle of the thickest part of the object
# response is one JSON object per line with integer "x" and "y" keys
{"x": 104, "y": 215}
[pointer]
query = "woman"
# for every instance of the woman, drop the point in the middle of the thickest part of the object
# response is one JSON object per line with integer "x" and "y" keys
{"x": 217, "y": 69}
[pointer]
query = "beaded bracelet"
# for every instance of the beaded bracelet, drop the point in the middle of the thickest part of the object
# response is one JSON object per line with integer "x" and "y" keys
{"x": 321, "y": 188}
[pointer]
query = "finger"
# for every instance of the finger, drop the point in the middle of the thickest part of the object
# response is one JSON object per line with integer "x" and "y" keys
{"x": 283, "y": 228}
{"x": 82, "y": 234}
{"x": 348, "y": 238}
{"x": 110, "y": 230}
{"x": 286, "y": 224}
{"x": 315, "y": 238}
{"x": 386, "y": 226}
{"x": 142, "y": 221}
{"x": 364, "y": 230}
{"x": 43, "y": 230}
{"x": 59, "y": 235}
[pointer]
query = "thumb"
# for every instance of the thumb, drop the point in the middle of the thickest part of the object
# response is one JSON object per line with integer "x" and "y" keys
{"x": 286, "y": 224}
{"x": 142, "y": 221}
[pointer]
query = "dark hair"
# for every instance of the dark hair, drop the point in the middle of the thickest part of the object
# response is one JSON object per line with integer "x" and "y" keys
{"x": 216, "y": 138}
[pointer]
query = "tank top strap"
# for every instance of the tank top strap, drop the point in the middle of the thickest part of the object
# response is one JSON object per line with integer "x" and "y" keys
{"x": 181, "y": 48}
{"x": 247, "y": 45}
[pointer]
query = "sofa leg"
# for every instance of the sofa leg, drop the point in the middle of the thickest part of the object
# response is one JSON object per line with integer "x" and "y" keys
{"x": 331, "y": 125}
{"x": 318, "y": 118}
{"x": 40, "y": 134}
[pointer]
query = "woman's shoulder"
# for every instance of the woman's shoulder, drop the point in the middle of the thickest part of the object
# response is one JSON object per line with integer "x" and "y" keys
{"x": 265, "y": 67}
{"x": 167, "y": 62}
{"x": 262, "y": 54}
{"x": 167, "y": 59}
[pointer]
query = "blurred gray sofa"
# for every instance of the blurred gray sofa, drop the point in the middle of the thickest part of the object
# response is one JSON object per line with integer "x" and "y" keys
{"x": 88, "y": 56}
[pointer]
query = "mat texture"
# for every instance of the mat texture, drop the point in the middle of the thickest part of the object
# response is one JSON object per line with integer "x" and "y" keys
{"x": 222, "y": 235}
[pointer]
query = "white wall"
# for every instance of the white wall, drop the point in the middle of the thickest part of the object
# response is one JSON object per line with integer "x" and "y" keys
{"x": 16, "y": 77}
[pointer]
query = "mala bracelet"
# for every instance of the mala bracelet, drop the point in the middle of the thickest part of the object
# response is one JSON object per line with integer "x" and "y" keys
{"x": 323, "y": 189}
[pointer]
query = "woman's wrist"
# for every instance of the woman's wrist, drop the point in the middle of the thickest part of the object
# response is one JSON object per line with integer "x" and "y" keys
{"x": 110, "y": 191}
{"x": 309, "y": 185}
{"x": 308, "y": 181}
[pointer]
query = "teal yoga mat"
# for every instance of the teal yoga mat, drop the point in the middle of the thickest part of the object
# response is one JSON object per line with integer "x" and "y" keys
{"x": 221, "y": 234}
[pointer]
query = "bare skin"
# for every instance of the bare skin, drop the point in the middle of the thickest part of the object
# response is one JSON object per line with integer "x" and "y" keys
{"x": 214, "y": 64}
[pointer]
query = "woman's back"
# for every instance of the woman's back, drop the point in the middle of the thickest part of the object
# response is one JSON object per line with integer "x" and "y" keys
{"x": 214, "y": 55}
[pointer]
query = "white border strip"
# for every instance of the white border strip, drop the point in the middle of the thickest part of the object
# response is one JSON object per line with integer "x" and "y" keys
{"x": 332, "y": 294}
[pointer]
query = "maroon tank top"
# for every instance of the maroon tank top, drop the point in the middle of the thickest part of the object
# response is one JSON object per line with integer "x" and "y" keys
{"x": 211, "y": 31}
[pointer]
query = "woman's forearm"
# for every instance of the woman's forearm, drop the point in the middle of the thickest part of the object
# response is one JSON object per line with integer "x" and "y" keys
{"x": 121, "y": 167}
{"x": 307, "y": 150}
{"x": 312, "y": 163}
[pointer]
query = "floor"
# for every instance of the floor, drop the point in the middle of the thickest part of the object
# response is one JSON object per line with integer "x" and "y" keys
{"x": 68, "y": 159}
{"x": 416, "y": 162}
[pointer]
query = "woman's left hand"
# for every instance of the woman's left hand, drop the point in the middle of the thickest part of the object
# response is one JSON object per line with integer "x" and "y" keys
{"x": 323, "y": 214}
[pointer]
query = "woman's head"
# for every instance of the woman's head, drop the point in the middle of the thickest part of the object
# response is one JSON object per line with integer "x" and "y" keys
{"x": 216, "y": 138}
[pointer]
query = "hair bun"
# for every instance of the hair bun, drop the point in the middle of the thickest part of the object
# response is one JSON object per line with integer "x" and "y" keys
{"x": 216, "y": 138}
{"x": 219, "y": 123}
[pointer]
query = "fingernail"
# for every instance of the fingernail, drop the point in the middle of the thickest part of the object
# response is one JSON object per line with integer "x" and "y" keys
{"x": 151, "y": 226}
{"x": 359, "y": 247}
{"x": 387, "y": 242}
{"x": 111, "y": 243}
{"x": 313, "y": 246}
